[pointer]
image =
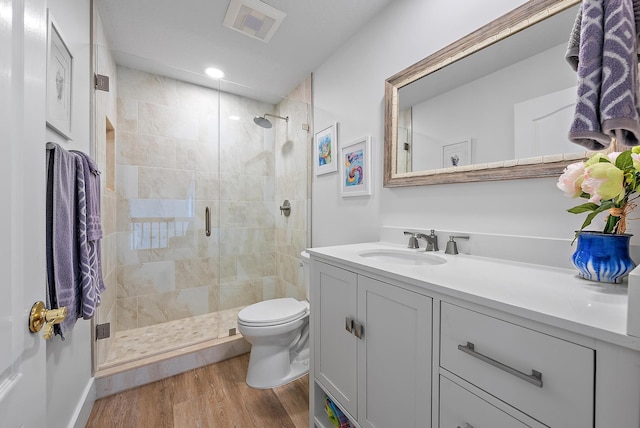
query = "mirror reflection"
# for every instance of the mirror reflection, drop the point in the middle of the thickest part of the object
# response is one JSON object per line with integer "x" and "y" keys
{"x": 503, "y": 107}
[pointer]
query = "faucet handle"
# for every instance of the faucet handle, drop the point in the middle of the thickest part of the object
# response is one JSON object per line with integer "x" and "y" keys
{"x": 452, "y": 246}
{"x": 413, "y": 239}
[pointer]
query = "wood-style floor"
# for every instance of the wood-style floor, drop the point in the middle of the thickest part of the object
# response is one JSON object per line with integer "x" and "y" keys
{"x": 208, "y": 397}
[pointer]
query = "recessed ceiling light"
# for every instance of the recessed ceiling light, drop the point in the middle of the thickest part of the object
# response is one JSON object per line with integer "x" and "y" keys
{"x": 234, "y": 117}
{"x": 214, "y": 73}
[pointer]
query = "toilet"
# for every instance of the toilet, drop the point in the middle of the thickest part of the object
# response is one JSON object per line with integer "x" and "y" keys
{"x": 278, "y": 331}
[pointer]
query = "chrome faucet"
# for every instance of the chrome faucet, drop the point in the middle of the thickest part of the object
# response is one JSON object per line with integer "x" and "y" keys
{"x": 432, "y": 240}
{"x": 413, "y": 239}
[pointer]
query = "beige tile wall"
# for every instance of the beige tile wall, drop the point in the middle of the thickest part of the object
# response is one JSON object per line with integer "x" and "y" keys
{"x": 292, "y": 156}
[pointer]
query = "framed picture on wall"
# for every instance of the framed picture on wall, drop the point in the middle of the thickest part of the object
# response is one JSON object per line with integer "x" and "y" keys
{"x": 59, "y": 73}
{"x": 356, "y": 168}
{"x": 457, "y": 154}
{"x": 326, "y": 149}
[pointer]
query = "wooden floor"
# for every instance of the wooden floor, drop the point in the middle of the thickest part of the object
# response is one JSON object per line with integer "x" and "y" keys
{"x": 211, "y": 396}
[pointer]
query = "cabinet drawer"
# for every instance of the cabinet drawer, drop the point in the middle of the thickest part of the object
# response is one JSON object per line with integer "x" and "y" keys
{"x": 461, "y": 408}
{"x": 502, "y": 358}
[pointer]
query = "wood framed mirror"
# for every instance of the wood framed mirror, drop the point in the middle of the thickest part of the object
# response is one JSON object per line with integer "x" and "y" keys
{"x": 436, "y": 133}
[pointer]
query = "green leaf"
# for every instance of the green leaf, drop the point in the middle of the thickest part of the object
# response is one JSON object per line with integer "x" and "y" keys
{"x": 587, "y": 221}
{"x": 589, "y": 206}
{"x": 604, "y": 207}
{"x": 624, "y": 160}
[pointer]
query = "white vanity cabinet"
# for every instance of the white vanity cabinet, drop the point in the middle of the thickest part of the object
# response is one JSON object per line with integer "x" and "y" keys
{"x": 472, "y": 342}
{"x": 371, "y": 349}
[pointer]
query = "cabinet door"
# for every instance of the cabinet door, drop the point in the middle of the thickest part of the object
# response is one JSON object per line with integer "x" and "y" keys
{"x": 333, "y": 294}
{"x": 394, "y": 356}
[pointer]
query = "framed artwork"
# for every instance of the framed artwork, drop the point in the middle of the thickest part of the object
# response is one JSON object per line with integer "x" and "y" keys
{"x": 457, "y": 154}
{"x": 59, "y": 72}
{"x": 326, "y": 149}
{"x": 356, "y": 168}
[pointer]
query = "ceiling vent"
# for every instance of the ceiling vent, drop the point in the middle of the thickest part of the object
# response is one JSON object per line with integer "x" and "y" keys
{"x": 253, "y": 18}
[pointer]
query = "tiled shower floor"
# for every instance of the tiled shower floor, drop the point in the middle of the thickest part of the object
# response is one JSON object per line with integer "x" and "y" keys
{"x": 143, "y": 342}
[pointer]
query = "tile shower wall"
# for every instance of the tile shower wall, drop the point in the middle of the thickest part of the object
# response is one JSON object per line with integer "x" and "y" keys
{"x": 167, "y": 172}
{"x": 293, "y": 165}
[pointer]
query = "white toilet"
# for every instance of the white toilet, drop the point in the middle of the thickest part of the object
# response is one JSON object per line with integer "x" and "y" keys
{"x": 278, "y": 331}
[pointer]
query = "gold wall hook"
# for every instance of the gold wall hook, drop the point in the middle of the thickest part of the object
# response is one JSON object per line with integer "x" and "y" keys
{"x": 41, "y": 316}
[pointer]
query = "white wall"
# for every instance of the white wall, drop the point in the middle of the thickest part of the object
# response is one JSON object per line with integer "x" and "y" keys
{"x": 349, "y": 89}
{"x": 69, "y": 379}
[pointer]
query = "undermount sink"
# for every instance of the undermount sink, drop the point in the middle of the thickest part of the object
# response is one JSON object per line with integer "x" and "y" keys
{"x": 403, "y": 257}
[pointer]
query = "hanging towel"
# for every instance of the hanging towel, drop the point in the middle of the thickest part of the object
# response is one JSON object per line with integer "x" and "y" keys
{"x": 90, "y": 233}
{"x": 607, "y": 75}
{"x": 74, "y": 270}
{"x": 573, "y": 49}
{"x": 63, "y": 268}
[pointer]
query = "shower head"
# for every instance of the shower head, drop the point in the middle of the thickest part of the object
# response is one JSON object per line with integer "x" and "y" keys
{"x": 262, "y": 121}
{"x": 266, "y": 123}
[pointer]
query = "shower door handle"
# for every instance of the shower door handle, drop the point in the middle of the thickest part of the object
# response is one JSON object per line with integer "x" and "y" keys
{"x": 207, "y": 221}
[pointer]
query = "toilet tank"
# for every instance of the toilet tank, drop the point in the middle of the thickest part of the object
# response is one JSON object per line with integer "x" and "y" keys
{"x": 305, "y": 267}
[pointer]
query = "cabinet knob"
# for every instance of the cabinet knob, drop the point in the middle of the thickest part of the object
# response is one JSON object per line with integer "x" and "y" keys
{"x": 348, "y": 325}
{"x": 358, "y": 330}
{"x": 353, "y": 327}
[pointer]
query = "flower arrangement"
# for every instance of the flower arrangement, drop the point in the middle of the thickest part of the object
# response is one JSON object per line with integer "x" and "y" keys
{"x": 610, "y": 183}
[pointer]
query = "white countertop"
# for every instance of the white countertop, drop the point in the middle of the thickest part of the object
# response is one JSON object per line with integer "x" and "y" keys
{"x": 554, "y": 296}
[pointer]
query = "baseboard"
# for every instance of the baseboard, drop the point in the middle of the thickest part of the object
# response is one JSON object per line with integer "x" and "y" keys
{"x": 83, "y": 410}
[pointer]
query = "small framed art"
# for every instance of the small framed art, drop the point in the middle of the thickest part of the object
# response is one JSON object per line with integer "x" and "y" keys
{"x": 356, "y": 168}
{"x": 326, "y": 149}
{"x": 59, "y": 73}
{"x": 457, "y": 154}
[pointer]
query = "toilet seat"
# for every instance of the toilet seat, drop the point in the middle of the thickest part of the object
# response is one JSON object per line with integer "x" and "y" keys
{"x": 273, "y": 312}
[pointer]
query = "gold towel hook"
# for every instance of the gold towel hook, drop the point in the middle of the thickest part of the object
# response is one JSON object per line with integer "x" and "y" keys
{"x": 41, "y": 316}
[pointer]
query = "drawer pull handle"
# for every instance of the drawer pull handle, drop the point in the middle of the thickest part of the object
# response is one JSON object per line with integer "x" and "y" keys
{"x": 534, "y": 378}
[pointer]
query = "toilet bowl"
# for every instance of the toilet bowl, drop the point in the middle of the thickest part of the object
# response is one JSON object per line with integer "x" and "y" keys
{"x": 278, "y": 331}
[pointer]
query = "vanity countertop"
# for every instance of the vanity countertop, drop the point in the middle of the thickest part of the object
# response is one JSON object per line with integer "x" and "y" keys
{"x": 553, "y": 296}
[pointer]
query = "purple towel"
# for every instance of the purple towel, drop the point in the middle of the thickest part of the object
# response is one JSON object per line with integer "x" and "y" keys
{"x": 63, "y": 271}
{"x": 90, "y": 233}
{"x": 74, "y": 271}
{"x": 573, "y": 48}
{"x": 92, "y": 183}
{"x": 607, "y": 75}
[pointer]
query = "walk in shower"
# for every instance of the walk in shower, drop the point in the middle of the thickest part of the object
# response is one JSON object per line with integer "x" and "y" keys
{"x": 198, "y": 232}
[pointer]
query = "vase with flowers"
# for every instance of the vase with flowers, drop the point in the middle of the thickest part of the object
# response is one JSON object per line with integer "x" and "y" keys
{"x": 611, "y": 184}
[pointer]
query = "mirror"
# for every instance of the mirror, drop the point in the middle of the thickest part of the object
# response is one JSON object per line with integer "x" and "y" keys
{"x": 494, "y": 105}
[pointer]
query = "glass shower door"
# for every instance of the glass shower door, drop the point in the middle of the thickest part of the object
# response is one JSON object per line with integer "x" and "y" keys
{"x": 166, "y": 248}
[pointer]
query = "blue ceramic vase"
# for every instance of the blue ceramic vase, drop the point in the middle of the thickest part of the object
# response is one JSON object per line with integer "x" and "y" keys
{"x": 603, "y": 257}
